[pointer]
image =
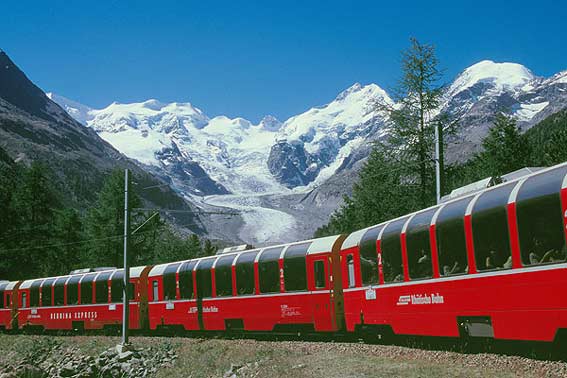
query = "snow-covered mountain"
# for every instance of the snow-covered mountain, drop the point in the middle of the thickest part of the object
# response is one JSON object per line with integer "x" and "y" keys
{"x": 235, "y": 155}
{"x": 312, "y": 145}
{"x": 486, "y": 88}
{"x": 260, "y": 164}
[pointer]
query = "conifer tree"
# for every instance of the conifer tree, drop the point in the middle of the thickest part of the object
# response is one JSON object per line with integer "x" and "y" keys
{"x": 105, "y": 222}
{"x": 34, "y": 202}
{"x": 414, "y": 118}
{"x": 68, "y": 236}
{"x": 209, "y": 249}
{"x": 504, "y": 148}
{"x": 194, "y": 246}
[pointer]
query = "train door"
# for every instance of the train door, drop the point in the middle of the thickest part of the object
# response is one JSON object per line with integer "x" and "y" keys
{"x": 322, "y": 310}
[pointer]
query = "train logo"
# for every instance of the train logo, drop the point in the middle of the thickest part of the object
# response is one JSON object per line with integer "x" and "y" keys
{"x": 420, "y": 299}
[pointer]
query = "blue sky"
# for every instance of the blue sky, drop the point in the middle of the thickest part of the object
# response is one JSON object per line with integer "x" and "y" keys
{"x": 248, "y": 58}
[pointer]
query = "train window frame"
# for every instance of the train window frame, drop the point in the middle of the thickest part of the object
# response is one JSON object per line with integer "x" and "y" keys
{"x": 269, "y": 270}
{"x": 539, "y": 216}
{"x": 186, "y": 285}
{"x": 205, "y": 278}
{"x": 449, "y": 221}
{"x": 223, "y": 276}
{"x": 87, "y": 292}
{"x": 155, "y": 291}
{"x": 419, "y": 226}
{"x": 117, "y": 288}
{"x": 169, "y": 280}
{"x": 368, "y": 256}
{"x": 24, "y": 299}
{"x": 72, "y": 295}
{"x": 59, "y": 291}
{"x": 34, "y": 293}
{"x": 320, "y": 274}
{"x": 245, "y": 274}
{"x": 350, "y": 270}
{"x": 392, "y": 234}
{"x": 295, "y": 267}
{"x": 2, "y": 292}
{"x": 489, "y": 217}
{"x": 47, "y": 292}
{"x": 102, "y": 287}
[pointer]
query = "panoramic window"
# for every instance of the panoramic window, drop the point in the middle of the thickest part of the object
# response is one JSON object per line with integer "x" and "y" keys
{"x": 369, "y": 256}
{"x": 87, "y": 288}
{"x": 392, "y": 251}
{"x": 319, "y": 273}
{"x": 101, "y": 287}
{"x": 170, "y": 282}
{"x": 223, "y": 276}
{"x": 451, "y": 238}
{"x": 34, "y": 293}
{"x": 186, "y": 280}
{"x": 269, "y": 270}
{"x": 419, "y": 246}
{"x": 540, "y": 220}
{"x": 73, "y": 290}
{"x": 117, "y": 287}
{"x": 490, "y": 229}
{"x": 46, "y": 290}
{"x": 204, "y": 278}
{"x": 59, "y": 291}
{"x": 295, "y": 270}
{"x": 245, "y": 273}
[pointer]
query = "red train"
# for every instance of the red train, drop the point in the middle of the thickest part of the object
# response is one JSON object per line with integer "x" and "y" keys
{"x": 486, "y": 264}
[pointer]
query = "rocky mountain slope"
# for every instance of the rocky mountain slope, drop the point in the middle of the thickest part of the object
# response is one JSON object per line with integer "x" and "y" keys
{"x": 34, "y": 128}
{"x": 286, "y": 178}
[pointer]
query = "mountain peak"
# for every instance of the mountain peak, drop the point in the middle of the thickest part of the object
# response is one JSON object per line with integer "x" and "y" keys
{"x": 153, "y": 104}
{"x": 270, "y": 123}
{"x": 502, "y": 75}
{"x": 352, "y": 89}
{"x": 17, "y": 89}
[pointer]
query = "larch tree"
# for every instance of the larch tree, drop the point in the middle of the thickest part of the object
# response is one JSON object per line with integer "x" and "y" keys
{"x": 415, "y": 115}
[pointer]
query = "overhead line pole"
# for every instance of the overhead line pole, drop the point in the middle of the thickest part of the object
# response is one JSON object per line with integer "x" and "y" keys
{"x": 437, "y": 164}
{"x": 125, "y": 296}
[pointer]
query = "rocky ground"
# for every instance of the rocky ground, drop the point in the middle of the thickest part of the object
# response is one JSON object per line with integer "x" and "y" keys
{"x": 50, "y": 356}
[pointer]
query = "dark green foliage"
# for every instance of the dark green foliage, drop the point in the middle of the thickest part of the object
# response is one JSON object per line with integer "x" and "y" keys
{"x": 548, "y": 140}
{"x": 39, "y": 236}
{"x": 384, "y": 191}
{"x": 504, "y": 148}
{"x": 209, "y": 249}
{"x": 105, "y": 223}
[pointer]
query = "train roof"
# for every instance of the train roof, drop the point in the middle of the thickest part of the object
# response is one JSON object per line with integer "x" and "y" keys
{"x": 320, "y": 245}
{"x": 135, "y": 272}
{"x": 354, "y": 239}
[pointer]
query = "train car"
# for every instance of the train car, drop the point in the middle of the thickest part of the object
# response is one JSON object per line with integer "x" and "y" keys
{"x": 282, "y": 288}
{"x": 88, "y": 301}
{"x": 488, "y": 264}
{"x": 8, "y": 308}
